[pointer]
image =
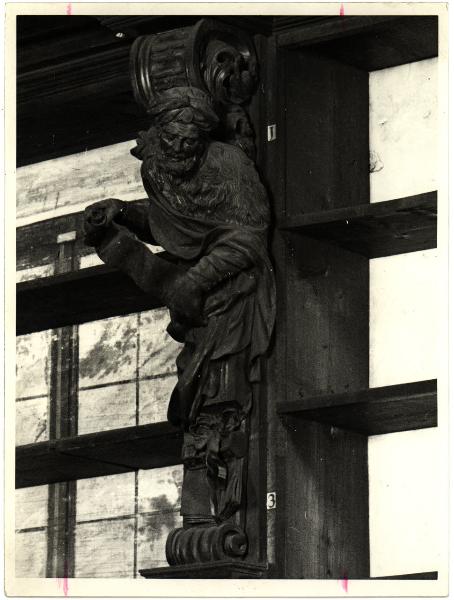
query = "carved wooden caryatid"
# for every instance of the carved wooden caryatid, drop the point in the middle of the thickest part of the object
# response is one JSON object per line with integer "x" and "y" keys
{"x": 208, "y": 209}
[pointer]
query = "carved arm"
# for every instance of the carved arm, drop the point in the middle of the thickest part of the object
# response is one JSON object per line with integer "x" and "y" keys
{"x": 223, "y": 262}
{"x": 116, "y": 246}
{"x": 134, "y": 216}
{"x": 131, "y": 215}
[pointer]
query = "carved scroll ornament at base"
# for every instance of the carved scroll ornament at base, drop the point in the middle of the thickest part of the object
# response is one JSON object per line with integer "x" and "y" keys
{"x": 208, "y": 209}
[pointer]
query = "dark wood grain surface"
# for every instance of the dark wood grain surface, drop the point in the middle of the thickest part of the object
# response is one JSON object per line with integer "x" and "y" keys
{"x": 374, "y": 230}
{"x": 368, "y": 42}
{"x": 413, "y": 576}
{"x": 77, "y": 297}
{"x": 321, "y": 477}
{"x": 213, "y": 570}
{"x": 72, "y": 73}
{"x": 97, "y": 454}
{"x": 372, "y": 411}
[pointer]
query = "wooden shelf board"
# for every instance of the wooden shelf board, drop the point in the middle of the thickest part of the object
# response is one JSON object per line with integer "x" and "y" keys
{"x": 37, "y": 243}
{"x": 414, "y": 576}
{"x": 77, "y": 297}
{"x": 368, "y": 43}
{"x": 374, "y": 230}
{"x": 96, "y": 454}
{"x": 372, "y": 412}
{"x": 220, "y": 569}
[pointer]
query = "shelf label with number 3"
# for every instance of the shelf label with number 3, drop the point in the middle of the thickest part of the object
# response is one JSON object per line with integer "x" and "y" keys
{"x": 271, "y": 500}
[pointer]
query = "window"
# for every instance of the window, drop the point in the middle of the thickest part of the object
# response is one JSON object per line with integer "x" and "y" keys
{"x": 125, "y": 370}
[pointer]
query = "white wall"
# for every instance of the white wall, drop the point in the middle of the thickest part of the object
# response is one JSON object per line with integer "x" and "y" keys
{"x": 109, "y": 172}
{"x": 404, "y": 475}
{"x": 403, "y": 127}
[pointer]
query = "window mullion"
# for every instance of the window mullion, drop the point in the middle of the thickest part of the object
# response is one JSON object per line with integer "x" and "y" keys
{"x": 63, "y": 411}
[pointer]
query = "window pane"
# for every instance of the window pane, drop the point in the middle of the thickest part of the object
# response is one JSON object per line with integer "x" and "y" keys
{"x": 108, "y": 351}
{"x": 159, "y": 503}
{"x": 33, "y": 364}
{"x": 31, "y": 420}
{"x": 107, "y": 407}
{"x": 105, "y": 497}
{"x": 403, "y": 130}
{"x": 105, "y": 526}
{"x": 31, "y": 531}
{"x": 160, "y": 489}
{"x": 152, "y": 535}
{"x": 154, "y": 398}
{"x": 31, "y": 553}
{"x": 32, "y": 387}
{"x": 105, "y": 549}
{"x": 34, "y": 273}
{"x": 117, "y": 349}
{"x": 158, "y": 350}
{"x": 31, "y": 507}
{"x": 113, "y": 524}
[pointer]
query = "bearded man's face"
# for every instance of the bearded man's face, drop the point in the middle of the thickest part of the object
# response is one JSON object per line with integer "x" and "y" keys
{"x": 182, "y": 147}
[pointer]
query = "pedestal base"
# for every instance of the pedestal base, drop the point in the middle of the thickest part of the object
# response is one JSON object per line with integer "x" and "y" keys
{"x": 221, "y": 569}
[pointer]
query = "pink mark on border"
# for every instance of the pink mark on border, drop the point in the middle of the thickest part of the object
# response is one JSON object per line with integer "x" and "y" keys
{"x": 69, "y": 9}
{"x": 63, "y": 583}
{"x": 344, "y": 583}
{"x": 342, "y": 11}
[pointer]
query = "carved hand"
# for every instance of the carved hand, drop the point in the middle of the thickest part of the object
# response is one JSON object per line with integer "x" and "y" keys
{"x": 185, "y": 300}
{"x": 98, "y": 216}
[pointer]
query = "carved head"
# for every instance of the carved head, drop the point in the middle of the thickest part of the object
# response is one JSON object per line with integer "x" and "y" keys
{"x": 183, "y": 118}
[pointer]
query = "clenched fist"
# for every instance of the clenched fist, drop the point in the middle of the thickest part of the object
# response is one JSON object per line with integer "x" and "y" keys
{"x": 98, "y": 217}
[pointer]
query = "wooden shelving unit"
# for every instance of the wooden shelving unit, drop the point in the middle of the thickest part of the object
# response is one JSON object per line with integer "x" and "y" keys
{"x": 77, "y": 297}
{"x": 95, "y": 454}
{"x": 374, "y": 230}
{"x": 320, "y": 166}
{"x": 373, "y": 411}
{"x": 368, "y": 43}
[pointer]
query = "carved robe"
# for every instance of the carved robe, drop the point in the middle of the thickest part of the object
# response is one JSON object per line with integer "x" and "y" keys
{"x": 217, "y": 223}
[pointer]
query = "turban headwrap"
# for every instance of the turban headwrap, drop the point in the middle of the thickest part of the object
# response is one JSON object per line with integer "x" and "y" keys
{"x": 185, "y": 105}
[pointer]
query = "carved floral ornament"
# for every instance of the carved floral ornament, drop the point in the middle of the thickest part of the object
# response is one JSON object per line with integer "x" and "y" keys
{"x": 210, "y": 56}
{"x": 208, "y": 209}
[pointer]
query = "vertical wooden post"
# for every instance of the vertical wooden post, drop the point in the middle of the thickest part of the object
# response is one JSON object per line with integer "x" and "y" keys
{"x": 63, "y": 423}
{"x": 322, "y": 478}
{"x": 271, "y": 164}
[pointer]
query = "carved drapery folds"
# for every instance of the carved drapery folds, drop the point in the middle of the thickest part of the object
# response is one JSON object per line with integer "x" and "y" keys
{"x": 208, "y": 209}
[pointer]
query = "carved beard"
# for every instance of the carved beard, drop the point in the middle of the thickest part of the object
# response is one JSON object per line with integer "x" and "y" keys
{"x": 178, "y": 167}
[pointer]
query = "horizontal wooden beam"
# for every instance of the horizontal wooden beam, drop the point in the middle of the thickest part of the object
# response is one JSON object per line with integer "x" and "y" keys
{"x": 413, "y": 576}
{"x": 369, "y": 43}
{"x": 73, "y": 82}
{"x": 317, "y": 32}
{"x": 218, "y": 569}
{"x": 37, "y": 243}
{"x": 372, "y": 412}
{"x": 96, "y": 454}
{"x": 77, "y": 297}
{"x": 374, "y": 230}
